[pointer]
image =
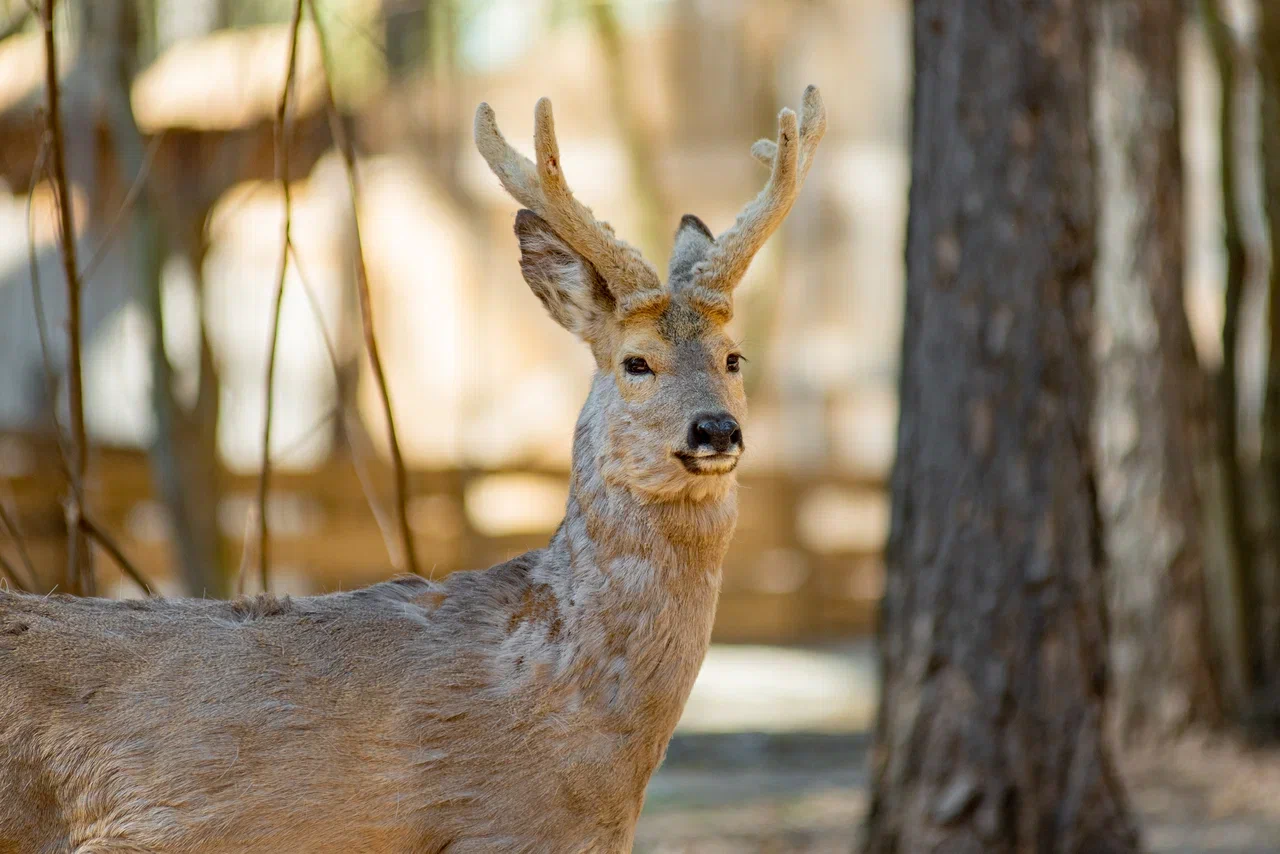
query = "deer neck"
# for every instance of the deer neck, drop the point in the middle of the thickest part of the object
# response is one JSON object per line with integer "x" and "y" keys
{"x": 639, "y": 580}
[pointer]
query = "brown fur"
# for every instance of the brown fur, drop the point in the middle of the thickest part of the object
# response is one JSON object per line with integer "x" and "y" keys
{"x": 519, "y": 708}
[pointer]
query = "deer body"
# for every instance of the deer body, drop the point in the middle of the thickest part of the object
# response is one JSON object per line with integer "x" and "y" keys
{"x": 521, "y": 708}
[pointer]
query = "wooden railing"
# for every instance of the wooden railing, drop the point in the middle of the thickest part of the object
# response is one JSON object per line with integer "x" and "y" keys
{"x": 805, "y": 564}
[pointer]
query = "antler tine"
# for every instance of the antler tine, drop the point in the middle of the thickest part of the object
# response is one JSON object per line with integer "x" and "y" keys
{"x": 813, "y": 125}
{"x": 790, "y": 158}
{"x": 543, "y": 189}
{"x": 764, "y": 151}
{"x": 514, "y": 170}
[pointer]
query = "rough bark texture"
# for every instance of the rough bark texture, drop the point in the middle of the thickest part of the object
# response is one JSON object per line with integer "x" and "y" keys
{"x": 1150, "y": 423}
{"x": 993, "y": 637}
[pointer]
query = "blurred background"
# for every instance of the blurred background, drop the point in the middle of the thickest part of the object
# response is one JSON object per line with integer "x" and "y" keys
{"x": 169, "y": 112}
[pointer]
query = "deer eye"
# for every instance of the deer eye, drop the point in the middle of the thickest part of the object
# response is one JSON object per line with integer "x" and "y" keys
{"x": 733, "y": 363}
{"x": 636, "y": 366}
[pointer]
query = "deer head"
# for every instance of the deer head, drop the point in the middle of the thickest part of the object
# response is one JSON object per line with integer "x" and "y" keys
{"x": 668, "y": 395}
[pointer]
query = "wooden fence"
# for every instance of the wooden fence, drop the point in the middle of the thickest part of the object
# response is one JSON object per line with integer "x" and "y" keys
{"x": 804, "y": 566}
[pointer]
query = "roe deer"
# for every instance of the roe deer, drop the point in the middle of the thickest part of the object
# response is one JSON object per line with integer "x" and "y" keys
{"x": 519, "y": 708}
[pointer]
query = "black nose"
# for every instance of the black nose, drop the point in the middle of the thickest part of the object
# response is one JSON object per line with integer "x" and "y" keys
{"x": 719, "y": 430}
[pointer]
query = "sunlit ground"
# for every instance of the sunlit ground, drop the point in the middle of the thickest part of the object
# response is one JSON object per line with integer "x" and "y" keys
{"x": 772, "y": 756}
{"x": 776, "y": 689}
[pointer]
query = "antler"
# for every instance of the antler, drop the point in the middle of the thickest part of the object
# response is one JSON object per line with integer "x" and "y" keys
{"x": 542, "y": 189}
{"x": 790, "y": 158}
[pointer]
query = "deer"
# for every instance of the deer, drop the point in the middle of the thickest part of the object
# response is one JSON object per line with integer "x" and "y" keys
{"x": 520, "y": 708}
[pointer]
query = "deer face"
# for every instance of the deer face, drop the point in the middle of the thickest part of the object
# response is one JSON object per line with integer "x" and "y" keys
{"x": 669, "y": 383}
{"x": 668, "y": 393}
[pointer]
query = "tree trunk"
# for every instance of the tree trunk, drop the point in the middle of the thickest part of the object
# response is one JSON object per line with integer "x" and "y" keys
{"x": 184, "y": 468}
{"x": 993, "y": 635}
{"x": 1266, "y": 713}
{"x": 1152, "y": 400}
{"x": 1243, "y": 606}
{"x": 636, "y": 133}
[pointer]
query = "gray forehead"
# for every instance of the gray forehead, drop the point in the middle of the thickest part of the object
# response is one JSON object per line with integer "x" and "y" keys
{"x": 691, "y": 336}
{"x": 681, "y": 323}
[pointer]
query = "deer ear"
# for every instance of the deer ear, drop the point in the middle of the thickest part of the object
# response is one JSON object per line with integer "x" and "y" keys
{"x": 693, "y": 239}
{"x": 574, "y": 294}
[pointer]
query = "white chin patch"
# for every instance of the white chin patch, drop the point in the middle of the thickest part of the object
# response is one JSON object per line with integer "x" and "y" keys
{"x": 710, "y": 464}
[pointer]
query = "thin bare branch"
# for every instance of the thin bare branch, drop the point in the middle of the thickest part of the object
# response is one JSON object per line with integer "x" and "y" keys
{"x": 300, "y": 441}
{"x": 37, "y": 305}
{"x": 10, "y": 525}
{"x": 231, "y": 212}
{"x": 282, "y": 174}
{"x": 359, "y": 454}
{"x": 11, "y": 576}
{"x": 139, "y": 181}
{"x": 79, "y": 567}
{"x": 246, "y": 553}
{"x": 109, "y": 546}
{"x": 345, "y": 147}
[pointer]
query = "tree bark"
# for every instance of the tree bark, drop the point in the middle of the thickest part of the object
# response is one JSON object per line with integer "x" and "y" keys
{"x": 183, "y": 456}
{"x": 1267, "y": 633}
{"x": 1238, "y": 587}
{"x": 1150, "y": 425}
{"x": 993, "y": 633}
{"x": 637, "y": 137}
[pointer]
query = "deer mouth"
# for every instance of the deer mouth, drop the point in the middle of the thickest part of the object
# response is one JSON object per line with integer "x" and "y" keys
{"x": 707, "y": 464}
